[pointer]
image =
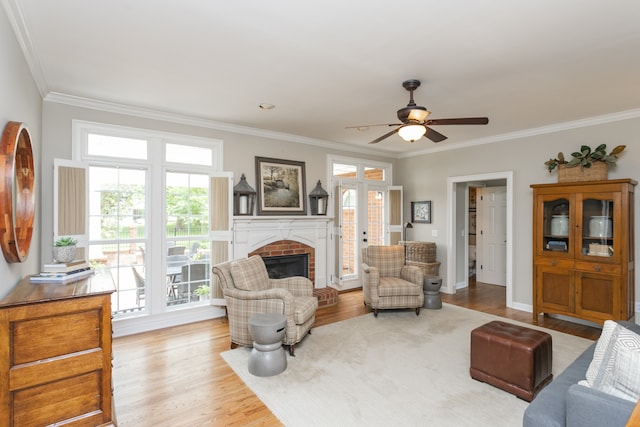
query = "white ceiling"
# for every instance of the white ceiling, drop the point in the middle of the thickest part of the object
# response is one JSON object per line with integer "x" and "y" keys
{"x": 335, "y": 63}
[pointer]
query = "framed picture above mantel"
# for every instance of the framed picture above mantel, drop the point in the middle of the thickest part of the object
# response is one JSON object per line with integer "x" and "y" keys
{"x": 281, "y": 187}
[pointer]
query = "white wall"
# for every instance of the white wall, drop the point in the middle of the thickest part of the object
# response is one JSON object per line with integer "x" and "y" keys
{"x": 240, "y": 149}
{"x": 424, "y": 178}
{"x": 20, "y": 102}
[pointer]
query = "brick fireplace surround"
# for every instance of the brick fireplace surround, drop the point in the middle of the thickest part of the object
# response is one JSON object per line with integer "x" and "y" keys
{"x": 289, "y": 247}
{"x": 277, "y": 236}
{"x": 327, "y": 296}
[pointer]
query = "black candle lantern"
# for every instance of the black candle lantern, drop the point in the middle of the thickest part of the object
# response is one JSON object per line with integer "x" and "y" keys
{"x": 243, "y": 198}
{"x": 318, "y": 200}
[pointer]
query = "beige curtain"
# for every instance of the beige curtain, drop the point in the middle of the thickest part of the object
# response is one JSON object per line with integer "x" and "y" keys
{"x": 219, "y": 203}
{"x": 395, "y": 215}
{"x": 71, "y": 201}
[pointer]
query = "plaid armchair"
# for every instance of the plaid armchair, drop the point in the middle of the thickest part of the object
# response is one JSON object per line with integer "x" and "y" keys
{"x": 387, "y": 282}
{"x": 248, "y": 290}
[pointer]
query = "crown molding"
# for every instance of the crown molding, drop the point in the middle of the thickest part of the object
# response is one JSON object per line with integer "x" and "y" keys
{"x": 111, "y": 107}
{"x": 16, "y": 19}
{"x": 558, "y": 127}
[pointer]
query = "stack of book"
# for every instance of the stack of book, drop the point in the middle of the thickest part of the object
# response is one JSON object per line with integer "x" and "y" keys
{"x": 63, "y": 272}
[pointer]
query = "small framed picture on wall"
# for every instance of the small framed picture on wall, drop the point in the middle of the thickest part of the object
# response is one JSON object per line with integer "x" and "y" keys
{"x": 421, "y": 212}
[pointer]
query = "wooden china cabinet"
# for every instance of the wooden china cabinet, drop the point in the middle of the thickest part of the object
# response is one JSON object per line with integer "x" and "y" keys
{"x": 55, "y": 354}
{"x": 583, "y": 250}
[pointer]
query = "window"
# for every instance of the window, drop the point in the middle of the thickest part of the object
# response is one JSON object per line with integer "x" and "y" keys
{"x": 149, "y": 206}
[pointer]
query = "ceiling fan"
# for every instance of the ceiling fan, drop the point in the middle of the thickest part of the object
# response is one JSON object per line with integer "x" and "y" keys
{"x": 414, "y": 124}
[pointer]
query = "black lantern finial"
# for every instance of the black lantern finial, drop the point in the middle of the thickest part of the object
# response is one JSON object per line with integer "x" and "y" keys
{"x": 318, "y": 200}
{"x": 243, "y": 198}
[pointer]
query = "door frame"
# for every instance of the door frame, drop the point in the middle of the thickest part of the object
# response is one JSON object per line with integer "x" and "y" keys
{"x": 452, "y": 214}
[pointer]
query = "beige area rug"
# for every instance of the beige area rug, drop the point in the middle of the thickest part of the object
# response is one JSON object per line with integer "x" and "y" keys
{"x": 393, "y": 370}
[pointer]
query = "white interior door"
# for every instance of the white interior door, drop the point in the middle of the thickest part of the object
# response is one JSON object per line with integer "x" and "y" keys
{"x": 491, "y": 235}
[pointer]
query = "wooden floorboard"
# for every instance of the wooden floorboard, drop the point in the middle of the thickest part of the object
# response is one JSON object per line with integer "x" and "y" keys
{"x": 176, "y": 376}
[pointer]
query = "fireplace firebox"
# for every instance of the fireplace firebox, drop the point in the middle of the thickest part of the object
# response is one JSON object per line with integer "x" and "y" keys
{"x": 280, "y": 267}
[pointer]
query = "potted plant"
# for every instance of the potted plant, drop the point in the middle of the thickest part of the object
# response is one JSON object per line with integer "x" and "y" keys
{"x": 203, "y": 291}
{"x": 594, "y": 164}
{"x": 64, "y": 249}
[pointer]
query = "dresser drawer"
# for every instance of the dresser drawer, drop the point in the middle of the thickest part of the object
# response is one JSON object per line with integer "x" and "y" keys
{"x": 555, "y": 262}
{"x": 597, "y": 267}
{"x": 48, "y": 337}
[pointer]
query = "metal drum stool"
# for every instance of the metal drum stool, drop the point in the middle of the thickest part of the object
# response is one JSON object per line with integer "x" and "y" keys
{"x": 431, "y": 287}
{"x": 267, "y": 356}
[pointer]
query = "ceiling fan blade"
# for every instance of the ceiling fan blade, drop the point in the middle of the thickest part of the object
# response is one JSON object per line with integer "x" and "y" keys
{"x": 369, "y": 126}
{"x": 460, "y": 121}
{"x": 386, "y": 135}
{"x": 434, "y": 136}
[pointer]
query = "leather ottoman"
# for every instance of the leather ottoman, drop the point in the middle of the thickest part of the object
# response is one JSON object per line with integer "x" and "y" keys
{"x": 516, "y": 359}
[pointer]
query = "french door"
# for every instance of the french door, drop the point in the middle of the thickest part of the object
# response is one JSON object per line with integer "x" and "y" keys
{"x": 361, "y": 218}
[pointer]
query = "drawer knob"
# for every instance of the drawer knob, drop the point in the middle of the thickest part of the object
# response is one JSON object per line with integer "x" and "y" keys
{"x": 597, "y": 268}
{"x": 554, "y": 262}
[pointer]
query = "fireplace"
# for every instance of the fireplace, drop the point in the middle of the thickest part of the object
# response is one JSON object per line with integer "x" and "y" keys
{"x": 282, "y": 236}
{"x": 280, "y": 267}
{"x": 284, "y": 252}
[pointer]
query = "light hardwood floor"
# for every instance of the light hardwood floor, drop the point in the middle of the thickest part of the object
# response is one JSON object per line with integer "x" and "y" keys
{"x": 176, "y": 376}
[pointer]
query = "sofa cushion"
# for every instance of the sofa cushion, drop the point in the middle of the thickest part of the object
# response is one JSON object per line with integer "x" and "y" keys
{"x": 250, "y": 274}
{"x": 615, "y": 368}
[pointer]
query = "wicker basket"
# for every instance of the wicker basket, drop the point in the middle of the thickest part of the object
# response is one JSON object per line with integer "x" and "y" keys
{"x": 420, "y": 251}
{"x": 597, "y": 172}
{"x": 428, "y": 268}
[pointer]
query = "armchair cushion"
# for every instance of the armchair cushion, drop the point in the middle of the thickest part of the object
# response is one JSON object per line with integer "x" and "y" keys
{"x": 250, "y": 274}
{"x": 305, "y": 308}
{"x": 395, "y": 286}
{"x": 386, "y": 260}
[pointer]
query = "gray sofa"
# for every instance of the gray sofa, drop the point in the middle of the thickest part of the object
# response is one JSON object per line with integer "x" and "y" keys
{"x": 566, "y": 403}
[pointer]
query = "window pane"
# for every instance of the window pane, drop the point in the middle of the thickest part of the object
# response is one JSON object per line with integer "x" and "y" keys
{"x": 116, "y": 203}
{"x": 117, "y": 232}
{"x": 375, "y": 217}
{"x": 344, "y": 171}
{"x": 187, "y": 154}
{"x": 349, "y": 231}
{"x": 186, "y": 234}
{"x": 113, "y": 146}
{"x": 373, "y": 174}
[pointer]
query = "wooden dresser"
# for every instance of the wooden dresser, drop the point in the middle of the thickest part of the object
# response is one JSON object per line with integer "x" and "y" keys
{"x": 55, "y": 354}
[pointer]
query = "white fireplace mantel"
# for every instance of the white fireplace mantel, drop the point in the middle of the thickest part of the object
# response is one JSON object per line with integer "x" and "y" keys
{"x": 253, "y": 232}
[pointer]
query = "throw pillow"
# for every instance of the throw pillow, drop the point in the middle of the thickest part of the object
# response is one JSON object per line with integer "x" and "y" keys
{"x": 626, "y": 375}
{"x": 615, "y": 368}
{"x": 603, "y": 346}
{"x": 250, "y": 274}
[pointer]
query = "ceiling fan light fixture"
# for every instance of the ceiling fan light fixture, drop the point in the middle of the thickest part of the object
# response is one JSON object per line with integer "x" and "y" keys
{"x": 418, "y": 114}
{"x": 412, "y": 133}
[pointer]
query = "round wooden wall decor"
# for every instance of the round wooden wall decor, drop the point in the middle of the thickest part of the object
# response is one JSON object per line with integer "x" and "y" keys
{"x": 17, "y": 198}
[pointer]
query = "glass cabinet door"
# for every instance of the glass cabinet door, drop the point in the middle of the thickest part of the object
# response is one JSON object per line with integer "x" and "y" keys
{"x": 600, "y": 218}
{"x": 557, "y": 214}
